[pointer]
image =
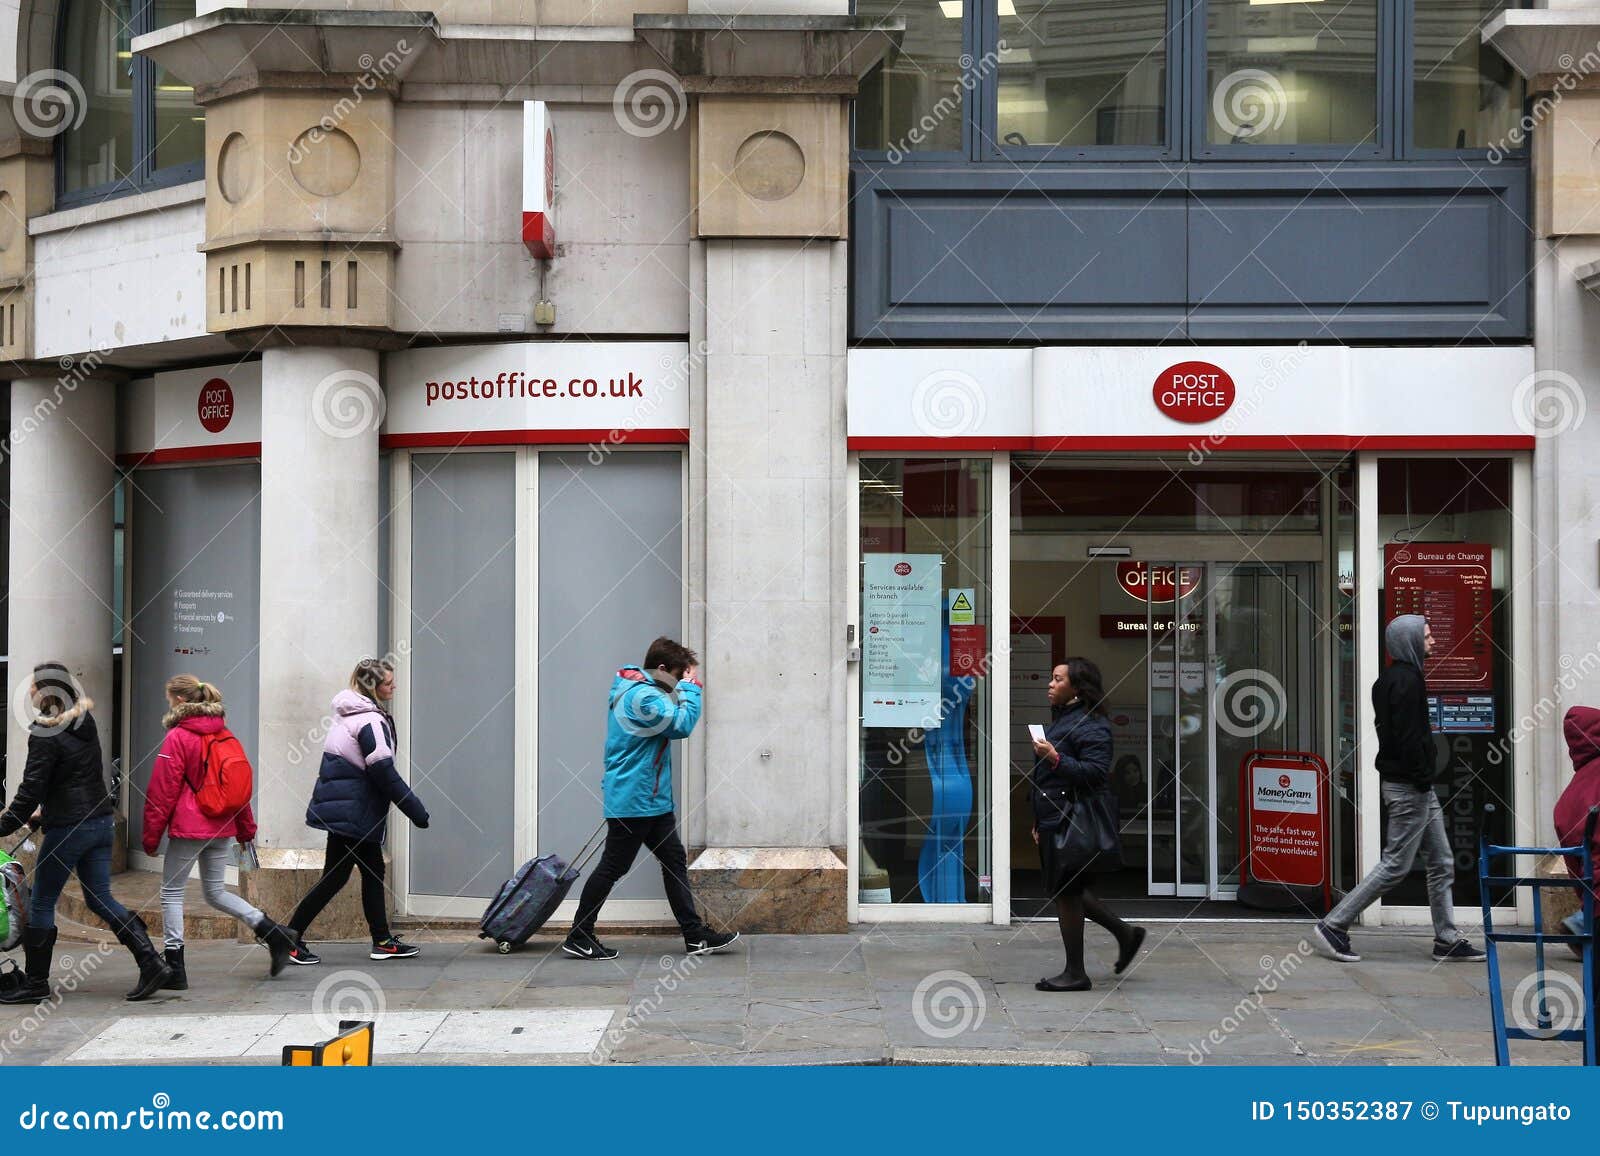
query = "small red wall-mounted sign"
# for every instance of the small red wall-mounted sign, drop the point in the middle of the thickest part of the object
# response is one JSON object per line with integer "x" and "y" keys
{"x": 1194, "y": 392}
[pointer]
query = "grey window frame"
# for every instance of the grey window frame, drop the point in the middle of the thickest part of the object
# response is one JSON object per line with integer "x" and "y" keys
{"x": 144, "y": 176}
{"x": 1187, "y": 100}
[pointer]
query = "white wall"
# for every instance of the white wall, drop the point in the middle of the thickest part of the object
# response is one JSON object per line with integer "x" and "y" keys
{"x": 621, "y": 218}
{"x": 129, "y": 281}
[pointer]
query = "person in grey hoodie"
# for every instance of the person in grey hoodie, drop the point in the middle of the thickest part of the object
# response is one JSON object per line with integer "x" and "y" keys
{"x": 1407, "y": 765}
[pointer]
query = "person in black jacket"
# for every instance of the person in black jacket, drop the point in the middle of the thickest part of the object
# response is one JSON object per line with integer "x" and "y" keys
{"x": 1073, "y": 760}
{"x": 1407, "y": 765}
{"x": 64, "y": 790}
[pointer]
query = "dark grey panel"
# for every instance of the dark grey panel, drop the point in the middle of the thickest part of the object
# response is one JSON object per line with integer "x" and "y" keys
{"x": 610, "y": 580}
{"x": 196, "y": 609}
{"x": 1235, "y": 252}
{"x": 463, "y": 670}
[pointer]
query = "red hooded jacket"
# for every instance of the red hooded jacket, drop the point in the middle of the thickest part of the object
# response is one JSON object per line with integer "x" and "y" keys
{"x": 1582, "y": 730}
{"x": 169, "y": 805}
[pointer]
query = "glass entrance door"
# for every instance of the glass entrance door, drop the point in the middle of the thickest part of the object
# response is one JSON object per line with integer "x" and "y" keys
{"x": 1232, "y": 660}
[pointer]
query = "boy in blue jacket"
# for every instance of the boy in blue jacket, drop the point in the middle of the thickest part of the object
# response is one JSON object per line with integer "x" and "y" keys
{"x": 649, "y": 707}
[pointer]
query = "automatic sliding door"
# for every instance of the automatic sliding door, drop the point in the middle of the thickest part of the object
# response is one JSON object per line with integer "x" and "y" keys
{"x": 1180, "y": 755}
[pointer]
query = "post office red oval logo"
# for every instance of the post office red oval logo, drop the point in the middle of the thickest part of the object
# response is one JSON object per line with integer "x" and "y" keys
{"x": 1157, "y": 584}
{"x": 902, "y": 568}
{"x": 216, "y": 405}
{"x": 1194, "y": 392}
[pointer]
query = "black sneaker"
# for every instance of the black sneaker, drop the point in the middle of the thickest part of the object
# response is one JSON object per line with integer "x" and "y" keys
{"x": 392, "y": 948}
{"x": 589, "y": 948}
{"x": 1334, "y": 944}
{"x": 1461, "y": 951}
{"x": 304, "y": 956}
{"x": 709, "y": 941}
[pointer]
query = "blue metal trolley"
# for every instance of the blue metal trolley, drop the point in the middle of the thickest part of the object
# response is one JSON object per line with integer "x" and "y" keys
{"x": 1544, "y": 1027}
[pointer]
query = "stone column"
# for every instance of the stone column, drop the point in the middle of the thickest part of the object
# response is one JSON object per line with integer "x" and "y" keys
{"x": 1557, "y": 54}
{"x": 63, "y": 481}
{"x": 771, "y": 172}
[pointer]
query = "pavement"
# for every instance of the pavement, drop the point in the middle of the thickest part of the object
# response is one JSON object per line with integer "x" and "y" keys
{"x": 1200, "y": 993}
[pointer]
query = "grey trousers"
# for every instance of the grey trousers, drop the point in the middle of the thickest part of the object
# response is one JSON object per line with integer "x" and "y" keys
{"x": 212, "y": 855}
{"x": 1416, "y": 822}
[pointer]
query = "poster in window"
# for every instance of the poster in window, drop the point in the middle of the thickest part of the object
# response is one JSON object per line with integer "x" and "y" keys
{"x": 902, "y": 607}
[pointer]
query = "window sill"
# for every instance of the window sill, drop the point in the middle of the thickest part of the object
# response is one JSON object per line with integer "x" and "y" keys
{"x": 118, "y": 207}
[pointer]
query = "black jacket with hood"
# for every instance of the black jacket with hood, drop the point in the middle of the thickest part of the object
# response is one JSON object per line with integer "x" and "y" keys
{"x": 1082, "y": 738}
{"x": 65, "y": 773}
{"x": 1406, "y": 750}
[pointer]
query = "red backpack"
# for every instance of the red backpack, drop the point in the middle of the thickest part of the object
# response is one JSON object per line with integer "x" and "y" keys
{"x": 226, "y": 780}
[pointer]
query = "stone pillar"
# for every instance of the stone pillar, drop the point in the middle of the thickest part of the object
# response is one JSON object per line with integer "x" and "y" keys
{"x": 320, "y": 412}
{"x": 771, "y": 172}
{"x": 63, "y": 481}
{"x": 1561, "y": 405}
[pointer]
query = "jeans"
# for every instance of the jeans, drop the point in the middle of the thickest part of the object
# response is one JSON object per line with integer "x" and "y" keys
{"x": 344, "y": 855}
{"x": 1416, "y": 822}
{"x": 212, "y": 854}
{"x": 624, "y": 837}
{"x": 85, "y": 851}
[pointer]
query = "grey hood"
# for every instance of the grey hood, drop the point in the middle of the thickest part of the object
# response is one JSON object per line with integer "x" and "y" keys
{"x": 1403, "y": 639}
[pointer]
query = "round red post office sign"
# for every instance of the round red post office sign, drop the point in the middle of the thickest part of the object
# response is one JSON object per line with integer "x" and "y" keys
{"x": 216, "y": 405}
{"x": 1157, "y": 584}
{"x": 1194, "y": 392}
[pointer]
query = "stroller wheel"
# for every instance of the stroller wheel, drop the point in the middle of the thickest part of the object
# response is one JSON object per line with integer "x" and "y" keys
{"x": 503, "y": 947}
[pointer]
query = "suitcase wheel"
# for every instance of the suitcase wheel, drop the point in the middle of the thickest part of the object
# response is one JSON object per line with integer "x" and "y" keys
{"x": 503, "y": 947}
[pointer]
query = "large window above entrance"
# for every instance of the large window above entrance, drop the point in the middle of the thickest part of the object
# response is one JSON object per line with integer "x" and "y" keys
{"x": 1190, "y": 79}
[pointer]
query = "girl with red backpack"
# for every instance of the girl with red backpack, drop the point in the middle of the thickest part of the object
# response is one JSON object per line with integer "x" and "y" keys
{"x": 199, "y": 796}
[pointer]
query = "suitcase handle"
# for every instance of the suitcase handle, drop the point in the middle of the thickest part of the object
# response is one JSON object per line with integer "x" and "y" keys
{"x": 590, "y": 845}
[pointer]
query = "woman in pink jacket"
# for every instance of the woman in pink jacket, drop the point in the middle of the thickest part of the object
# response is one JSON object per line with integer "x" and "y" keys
{"x": 171, "y": 809}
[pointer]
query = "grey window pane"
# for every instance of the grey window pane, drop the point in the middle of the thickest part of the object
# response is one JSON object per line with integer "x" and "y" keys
{"x": 96, "y": 50}
{"x": 1292, "y": 72}
{"x": 1081, "y": 72}
{"x": 1466, "y": 95}
{"x": 913, "y": 101}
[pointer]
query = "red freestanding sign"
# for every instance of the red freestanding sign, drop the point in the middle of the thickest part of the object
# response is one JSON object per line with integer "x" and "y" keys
{"x": 1284, "y": 837}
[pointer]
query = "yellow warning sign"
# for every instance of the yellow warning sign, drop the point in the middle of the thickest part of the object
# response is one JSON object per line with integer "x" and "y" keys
{"x": 962, "y": 610}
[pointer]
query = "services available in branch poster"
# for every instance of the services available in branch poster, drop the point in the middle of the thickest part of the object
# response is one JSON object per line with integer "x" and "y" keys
{"x": 901, "y": 660}
{"x": 1448, "y": 583}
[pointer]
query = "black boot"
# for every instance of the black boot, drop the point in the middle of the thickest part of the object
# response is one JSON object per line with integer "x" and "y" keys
{"x": 38, "y": 947}
{"x": 153, "y": 970}
{"x": 179, "y": 980}
{"x": 279, "y": 941}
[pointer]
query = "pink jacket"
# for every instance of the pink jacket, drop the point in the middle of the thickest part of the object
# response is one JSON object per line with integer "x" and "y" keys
{"x": 169, "y": 802}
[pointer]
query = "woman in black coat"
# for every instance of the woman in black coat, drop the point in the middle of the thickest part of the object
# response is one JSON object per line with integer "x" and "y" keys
{"x": 1073, "y": 760}
{"x": 64, "y": 790}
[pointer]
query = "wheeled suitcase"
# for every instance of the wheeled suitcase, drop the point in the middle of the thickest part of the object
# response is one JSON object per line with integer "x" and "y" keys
{"x": 530, "y": 897}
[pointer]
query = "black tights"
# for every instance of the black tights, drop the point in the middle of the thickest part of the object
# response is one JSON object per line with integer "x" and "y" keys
{"x": 342, "y": 856}
{"x": 1071, "y": 909}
